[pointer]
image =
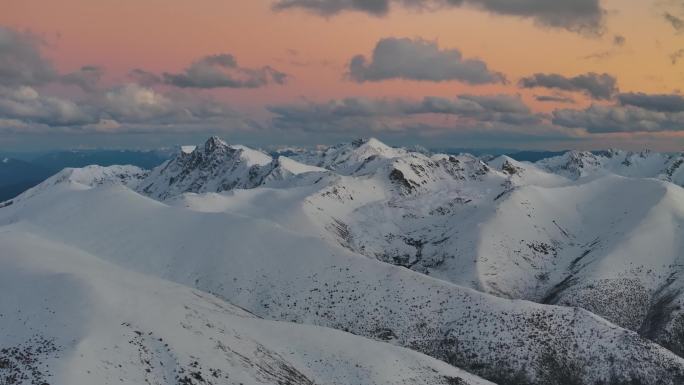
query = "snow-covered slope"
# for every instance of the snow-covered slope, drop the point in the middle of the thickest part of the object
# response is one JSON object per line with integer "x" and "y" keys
{"x": 86, "y": 177}
{"x": 75, "y": 319}
{"x": 566, "y": 230}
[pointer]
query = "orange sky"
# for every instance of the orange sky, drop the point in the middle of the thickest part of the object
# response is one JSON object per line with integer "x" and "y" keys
{"x": 167, "y": 35}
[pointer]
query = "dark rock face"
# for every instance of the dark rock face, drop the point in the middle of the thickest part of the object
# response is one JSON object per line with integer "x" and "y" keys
{"x": 214, "y": 167}
{"x": 511, "y": 169}
{"x": 26, "y": 363}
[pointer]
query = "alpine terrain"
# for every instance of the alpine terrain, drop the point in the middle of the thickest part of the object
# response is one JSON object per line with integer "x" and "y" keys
{"x": 358, "y": 263}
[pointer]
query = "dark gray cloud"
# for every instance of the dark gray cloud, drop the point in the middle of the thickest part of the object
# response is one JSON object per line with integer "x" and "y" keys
{"x": 222, "y": 70}
{"x": 619, "y": 40}
{"x": 653, "y": 102}
{"x": 676, "y": 22}
{"x": 576, "y": 15}
{"x": 554, "y": 99}
{"x": 598, "y": 86}
{"x": 387, "y": 114}
{"x": 21, "y": 62}
{"x": 87, "y": 78}
{"x": 332, "y": 7}
{"x": 620, "y": 118}
{"x": 636, "y": 112}
{"x": 395, "y": 58}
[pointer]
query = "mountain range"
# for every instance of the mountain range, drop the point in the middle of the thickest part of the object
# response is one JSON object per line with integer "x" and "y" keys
{"x": 358, "y": 263}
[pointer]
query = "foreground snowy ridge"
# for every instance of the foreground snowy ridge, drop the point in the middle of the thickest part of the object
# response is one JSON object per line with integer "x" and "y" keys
{"x": 451, "y": 256}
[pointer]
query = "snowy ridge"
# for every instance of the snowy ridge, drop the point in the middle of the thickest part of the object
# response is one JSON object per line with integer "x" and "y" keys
{"x": 644, "y": 164}
{"x": 86, "y": 177}
{"x": 348, "y": 158}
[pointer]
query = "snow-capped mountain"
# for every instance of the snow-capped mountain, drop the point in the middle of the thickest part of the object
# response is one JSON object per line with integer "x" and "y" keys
{"x": 217, "y": 167}
{"x": 557, "y": 272}
{"x": 645, "y": 164}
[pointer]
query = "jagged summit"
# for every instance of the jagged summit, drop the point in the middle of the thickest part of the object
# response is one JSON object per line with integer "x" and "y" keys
{"x": 217, "y": 166}
{"x": 214, "y": 143}
{"x": 214, "y": 167}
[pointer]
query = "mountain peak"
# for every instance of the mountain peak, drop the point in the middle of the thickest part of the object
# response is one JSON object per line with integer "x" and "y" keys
{"x": 214, "y": 143}
{"x": 371, "y": 143}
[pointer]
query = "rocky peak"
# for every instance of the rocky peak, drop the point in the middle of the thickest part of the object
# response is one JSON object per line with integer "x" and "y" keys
{"x": 213, "y": 144}
{"x": 573, "y": 164}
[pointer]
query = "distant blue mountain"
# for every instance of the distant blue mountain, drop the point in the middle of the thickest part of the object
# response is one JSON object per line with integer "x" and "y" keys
{"x": 57, "y": 161}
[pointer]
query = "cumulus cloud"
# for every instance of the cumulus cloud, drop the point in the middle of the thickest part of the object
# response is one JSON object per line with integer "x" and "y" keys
{"x": 27, "y": 107}
{"x": 21, "y": 63}
{"x": 25, "y": 104}
{"x": 597, "y": 86}
{"x": 123, "y": 108}
{"x": 222, "y": 70}
{"x": 134, "y": 103}
{"x": 395, "y": 58}
{"x": 87, "y": 77}
{"x": 576, "y": 15}
{"x": 388, "y": 114}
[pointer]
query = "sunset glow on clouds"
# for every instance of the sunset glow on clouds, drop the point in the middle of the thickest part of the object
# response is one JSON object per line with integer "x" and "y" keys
{"x": 459, "y": 73}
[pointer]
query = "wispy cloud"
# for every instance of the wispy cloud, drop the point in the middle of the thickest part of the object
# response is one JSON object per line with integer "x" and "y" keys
{"x": 597, "y": 86}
